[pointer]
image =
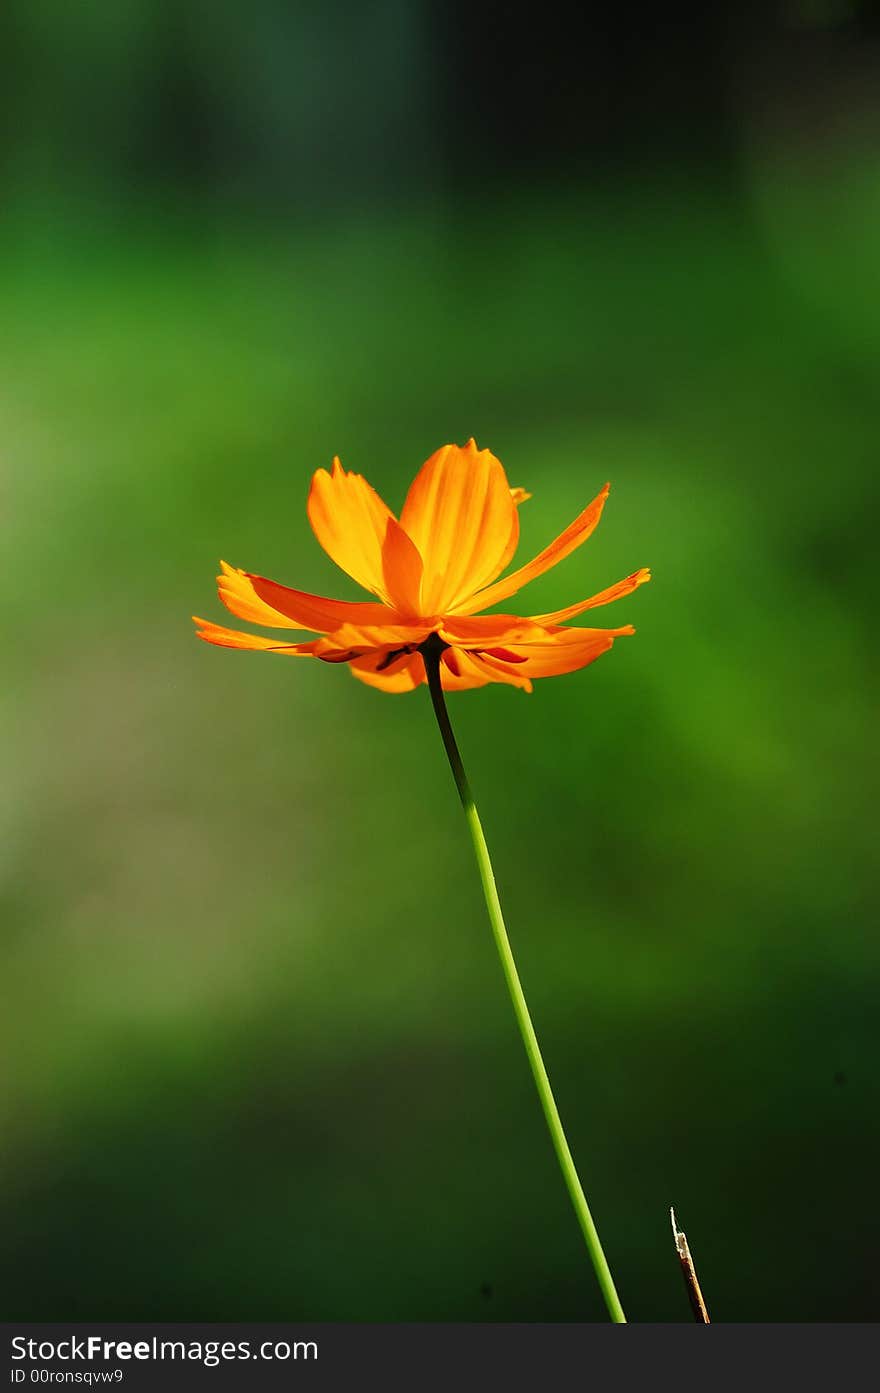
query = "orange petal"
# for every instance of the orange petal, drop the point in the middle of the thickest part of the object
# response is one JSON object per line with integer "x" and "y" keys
{"x": 354, "y": 640}
{"x": 461, "y": 671}
{"x": 478, "y": 668}
{"x": 604, "y": 597}
{"x": 402, "y": 569}
{"x": 520, "y": 496}
{"x": 567, "y": 542}
{"x": 563, "y": 650}
{"x": 404, "y": 674}
{"x": 234, "y": 638}
{"x": 262, "y": 601}
{"x": 460, "y": 514}
{"x": 350, "y": 521}
{"x": 456, "y": 675}
{"x": 486, "y": 630}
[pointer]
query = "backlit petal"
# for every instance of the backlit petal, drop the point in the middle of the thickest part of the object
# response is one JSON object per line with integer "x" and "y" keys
{"x": 404, "y": 674}
{"x": 262, "y": 601}
{"x": 567, "y": 542}
{"x": 355, "y": 640}
{"x": 350, "y": 521}
{"x": 456, "y": 675}
{"x": 484, "y": 630}
{"x": 563, "y": 650}
{"x": 402, "y": 569}
{"x": 235, "y": 638}
{"x": 460, "y": 671}
{"x": 460, "y": 514}
{"x": 604, "y": 597}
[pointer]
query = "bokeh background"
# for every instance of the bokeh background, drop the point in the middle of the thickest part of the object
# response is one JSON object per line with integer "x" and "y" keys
{"x": 257, "y": 1059}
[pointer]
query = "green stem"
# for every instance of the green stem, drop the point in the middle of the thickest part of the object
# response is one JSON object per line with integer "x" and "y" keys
{"x": 431, "y": 655}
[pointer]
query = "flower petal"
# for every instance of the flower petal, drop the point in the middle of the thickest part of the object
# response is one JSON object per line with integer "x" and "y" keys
{"x": 235, "y": 638}
{"x": 486, "y": 630}
{"x": 567, "y": 542}
{"x": 262, "y": 601}
{"x": 460, "y": 514}
{"x": 563, "y": 650}
{"x": 604, "y": 597}
{"x": 350, "y": 521}
{"x": 456, "y": 675}
{"x": 404, "y": 674}
{"x": 402, "y": 568}
{"x": 461, "y": 671}
{"x": 351, "y": 640}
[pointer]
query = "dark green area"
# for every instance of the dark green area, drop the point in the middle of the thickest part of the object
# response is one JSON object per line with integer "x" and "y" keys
{"x": 259, "y": 1062}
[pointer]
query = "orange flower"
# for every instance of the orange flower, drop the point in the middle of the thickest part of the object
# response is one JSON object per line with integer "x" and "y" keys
{"x": 431, "y": 570}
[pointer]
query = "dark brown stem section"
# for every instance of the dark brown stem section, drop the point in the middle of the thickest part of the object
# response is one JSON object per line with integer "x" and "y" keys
{"x": 689, "y": 1273}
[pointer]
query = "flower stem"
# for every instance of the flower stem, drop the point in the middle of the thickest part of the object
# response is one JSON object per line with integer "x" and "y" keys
{"x": 431, "y": 656}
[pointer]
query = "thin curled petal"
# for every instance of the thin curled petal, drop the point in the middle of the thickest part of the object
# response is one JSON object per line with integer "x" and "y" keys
{"x": 604, "y": 597}
{"x": 350, "y": 521}
{"x": 262, "y": 601}
{"x": 568, "y": 541}
{"x": 460, "y": 514}
{"x": 235, "y": 638}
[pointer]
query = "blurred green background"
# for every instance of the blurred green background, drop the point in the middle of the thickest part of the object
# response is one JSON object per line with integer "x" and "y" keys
{"x": 258, "y": 1060}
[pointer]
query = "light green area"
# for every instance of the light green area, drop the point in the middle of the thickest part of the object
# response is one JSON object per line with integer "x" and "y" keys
{"x": 258, "y": 1060}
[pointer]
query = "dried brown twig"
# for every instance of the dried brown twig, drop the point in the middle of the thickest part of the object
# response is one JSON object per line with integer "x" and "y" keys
{"x": 689, "y": 1272}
